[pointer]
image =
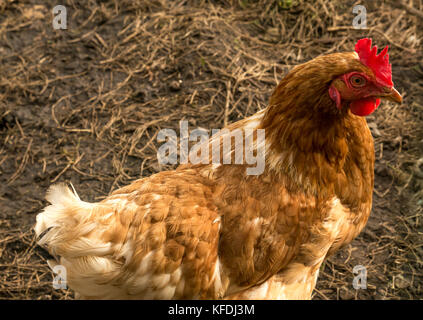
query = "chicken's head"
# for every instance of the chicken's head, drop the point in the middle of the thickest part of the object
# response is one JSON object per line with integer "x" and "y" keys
{"x": 363, "y": 88}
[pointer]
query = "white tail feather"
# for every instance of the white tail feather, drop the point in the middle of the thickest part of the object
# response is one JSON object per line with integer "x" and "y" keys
{"x": 61, "y": 198}
{"x": 66, "y": 222}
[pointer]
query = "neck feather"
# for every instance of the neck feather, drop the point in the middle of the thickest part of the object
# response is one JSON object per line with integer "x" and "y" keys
{"x": 306, "y": 135}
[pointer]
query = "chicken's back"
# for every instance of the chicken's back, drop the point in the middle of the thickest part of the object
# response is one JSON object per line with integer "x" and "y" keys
{"x": 154, "y": 239}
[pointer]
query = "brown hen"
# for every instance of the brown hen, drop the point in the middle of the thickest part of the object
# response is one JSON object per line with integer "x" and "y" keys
{"x": 212, "y": 231}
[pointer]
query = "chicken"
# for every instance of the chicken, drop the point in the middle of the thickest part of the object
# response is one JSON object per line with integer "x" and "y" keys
{"x": 212, "y": 231}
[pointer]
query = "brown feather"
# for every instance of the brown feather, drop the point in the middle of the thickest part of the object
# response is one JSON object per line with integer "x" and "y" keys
{"x": 211, "y": 231}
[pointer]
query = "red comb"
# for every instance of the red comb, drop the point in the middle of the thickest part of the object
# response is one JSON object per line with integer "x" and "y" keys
{"x": 378, "y": 63}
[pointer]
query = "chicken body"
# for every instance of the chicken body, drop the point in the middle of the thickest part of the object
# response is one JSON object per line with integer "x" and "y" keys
{"x": 210, "y": 231}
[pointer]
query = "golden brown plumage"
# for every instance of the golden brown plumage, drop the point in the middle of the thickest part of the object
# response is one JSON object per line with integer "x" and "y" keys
{"x": 210, "y": 231}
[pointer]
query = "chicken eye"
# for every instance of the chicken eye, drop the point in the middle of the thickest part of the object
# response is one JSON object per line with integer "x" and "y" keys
{"x": 357, "y": 81}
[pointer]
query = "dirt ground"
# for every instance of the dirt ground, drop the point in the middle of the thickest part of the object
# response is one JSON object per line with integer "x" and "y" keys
{"x": 84, "y": 105}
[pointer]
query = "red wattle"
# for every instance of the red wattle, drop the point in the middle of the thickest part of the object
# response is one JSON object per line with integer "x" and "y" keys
{"x": 364, "y": 107}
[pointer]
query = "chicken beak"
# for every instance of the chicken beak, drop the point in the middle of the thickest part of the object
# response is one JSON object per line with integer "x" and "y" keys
{"x": 391, "y": 94}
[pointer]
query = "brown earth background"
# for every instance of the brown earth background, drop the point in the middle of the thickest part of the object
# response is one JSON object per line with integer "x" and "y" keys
{"x": 85, "y": 104}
